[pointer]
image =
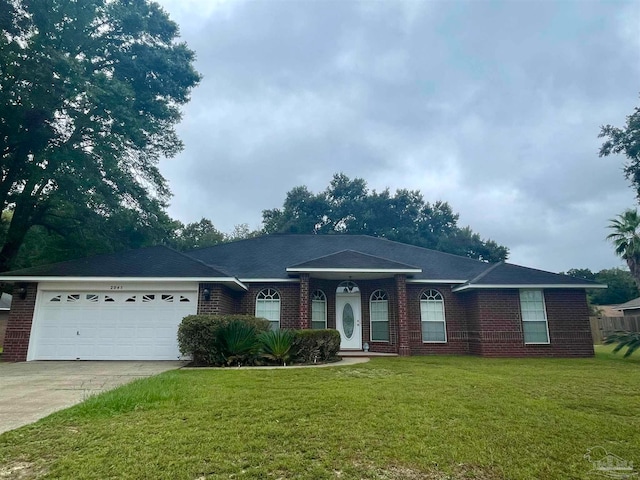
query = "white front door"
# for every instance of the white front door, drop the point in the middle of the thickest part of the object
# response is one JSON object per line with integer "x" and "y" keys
{"x": 349, "y": 320}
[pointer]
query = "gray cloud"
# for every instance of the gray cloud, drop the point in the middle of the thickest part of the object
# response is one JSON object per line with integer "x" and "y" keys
{"x": 494, "y": 107}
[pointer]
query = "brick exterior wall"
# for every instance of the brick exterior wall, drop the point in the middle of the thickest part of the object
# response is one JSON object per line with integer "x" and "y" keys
{"x": 455, "y": 321}
{"x": 304, "y": 301}
{"x": 223, "y": 300}
{"x": 16, "y": 340}
{"x": 403, "y": 317}
{"x": 481, "y": 322}
{"x": 495, "y": 325}
{"x": 289, "y": 302}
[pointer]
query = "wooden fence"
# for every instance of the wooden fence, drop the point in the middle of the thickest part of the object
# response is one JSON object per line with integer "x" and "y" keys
{"x": 603, "y": 326}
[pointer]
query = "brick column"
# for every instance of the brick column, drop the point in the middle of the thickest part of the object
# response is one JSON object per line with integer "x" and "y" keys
{"x": 403, "y": 319}
{"x": 16, "y": 340}
{"x": 303, "y": 321}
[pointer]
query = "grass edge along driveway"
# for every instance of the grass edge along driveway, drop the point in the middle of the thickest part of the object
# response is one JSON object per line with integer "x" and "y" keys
{"x": 444, "y": 417}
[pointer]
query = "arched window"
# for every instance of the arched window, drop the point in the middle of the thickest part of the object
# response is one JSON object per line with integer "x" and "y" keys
{"x": 268, "y": 306}
{"x": 379, "y": 315}
{"x": 318, "y": 310}
{"x": 434, "y": 327}
{"x": 347, "y": 287}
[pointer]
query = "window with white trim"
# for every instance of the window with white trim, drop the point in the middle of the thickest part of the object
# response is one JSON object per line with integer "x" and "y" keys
{"x": 318, "y": 310}
{"x": 379, "y": 316}
{"x": 434, "y": 326}
{"x": 268, "y": 306}
{"x": 534, "y": 316}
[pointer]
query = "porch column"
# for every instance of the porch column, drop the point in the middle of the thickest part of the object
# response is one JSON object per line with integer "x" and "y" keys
{"x": 403, "y": 319}
{"x": 304, "y": 301}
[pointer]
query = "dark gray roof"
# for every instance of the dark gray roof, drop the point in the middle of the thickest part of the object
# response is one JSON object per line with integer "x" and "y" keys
{"x": 270, "y": 255}
{"x": 156, "y": 261}
{"x": 509, "y": 274}
{"x": 352, "y": 259}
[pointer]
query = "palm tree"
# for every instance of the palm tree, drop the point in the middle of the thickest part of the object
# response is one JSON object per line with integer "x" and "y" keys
{"x": 626, "y": 239}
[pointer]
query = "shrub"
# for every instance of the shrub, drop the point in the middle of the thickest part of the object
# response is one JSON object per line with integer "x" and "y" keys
{"x": 277, "y": 345}
{"x": 199, "y": 336}
{"x": 316, "y": 345}
{"x": 238, "y": 343}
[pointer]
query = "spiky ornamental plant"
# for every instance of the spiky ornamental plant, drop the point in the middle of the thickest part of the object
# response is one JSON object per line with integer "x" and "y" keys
{"x": 239, "y": 343}
{"x": 631, "y": 340}
{"x": 277, "y": 345}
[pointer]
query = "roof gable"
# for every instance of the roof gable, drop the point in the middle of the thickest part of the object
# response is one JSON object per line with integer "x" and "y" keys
{"x": 348, "y": 259}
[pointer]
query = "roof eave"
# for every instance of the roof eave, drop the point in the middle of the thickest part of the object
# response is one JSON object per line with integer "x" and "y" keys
{"x": 462, "y": 288}
{"x": 230, "y": 281}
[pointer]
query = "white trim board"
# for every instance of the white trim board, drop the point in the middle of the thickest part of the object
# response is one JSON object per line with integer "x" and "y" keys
{"x": 355, "y": 270}
{"x": 118, "y": 280}
{"x": 526, "y": 286}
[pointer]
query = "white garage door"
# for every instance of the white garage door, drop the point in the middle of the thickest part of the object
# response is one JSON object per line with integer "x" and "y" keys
{"x": 108, "y": 325}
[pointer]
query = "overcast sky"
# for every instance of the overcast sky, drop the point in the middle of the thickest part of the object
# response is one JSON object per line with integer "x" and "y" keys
{"x": 494, "y": 107}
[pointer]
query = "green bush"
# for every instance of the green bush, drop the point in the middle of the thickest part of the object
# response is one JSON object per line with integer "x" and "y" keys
{"x": 311, "y": 346}
{"x": 277, "y": 345}
{"x": 238, "y": 342}
{"x": 199, "y": 336}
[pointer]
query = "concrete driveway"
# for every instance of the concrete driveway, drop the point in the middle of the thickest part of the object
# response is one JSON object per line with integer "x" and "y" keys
{"x": 32, "y": 390}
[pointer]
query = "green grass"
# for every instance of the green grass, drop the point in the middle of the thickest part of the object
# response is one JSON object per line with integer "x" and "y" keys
{"x": 442, "y": 417}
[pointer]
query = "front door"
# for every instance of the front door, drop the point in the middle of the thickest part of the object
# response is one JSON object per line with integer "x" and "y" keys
{"x": 349, "y": 320}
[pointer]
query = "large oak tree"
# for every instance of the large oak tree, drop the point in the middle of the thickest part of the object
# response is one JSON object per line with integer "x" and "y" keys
{"x": 90, "y": 93}
{"x": 347, "y": 206}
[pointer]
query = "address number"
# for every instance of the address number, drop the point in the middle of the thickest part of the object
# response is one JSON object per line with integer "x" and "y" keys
{"x": 115, "y": 287}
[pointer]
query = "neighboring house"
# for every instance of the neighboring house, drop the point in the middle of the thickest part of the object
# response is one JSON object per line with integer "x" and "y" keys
{"x": 5, "y": 306}
{"x": 608, "y": 310}
{"x": 387, "y": 296}
{"x": 630, "y": 308}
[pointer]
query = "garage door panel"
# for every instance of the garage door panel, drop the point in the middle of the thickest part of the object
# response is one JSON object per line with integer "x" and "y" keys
{"x": 105, "y": 326}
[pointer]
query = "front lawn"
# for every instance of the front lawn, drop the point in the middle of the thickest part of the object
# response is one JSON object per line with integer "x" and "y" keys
{"x": 392, "y": 418}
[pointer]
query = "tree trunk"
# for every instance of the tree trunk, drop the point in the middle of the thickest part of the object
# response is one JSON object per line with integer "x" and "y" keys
{"x": 24, "y": 217}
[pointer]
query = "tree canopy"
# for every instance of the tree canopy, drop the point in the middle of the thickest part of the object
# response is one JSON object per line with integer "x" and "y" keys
{"x": 621, "y": 286}
{"x": 625, "y": 237}
{"x": 625, "y": 141}
{"x": 90, "y": 93}
{"x": 348, "y": 206}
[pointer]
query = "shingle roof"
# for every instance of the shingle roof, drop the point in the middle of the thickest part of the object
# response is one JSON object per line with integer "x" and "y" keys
{"x": 159, "y": 261}
{"x": 352, "y": 259}
{"x": 509, "y": 274}
{"x": 269, "y": 256}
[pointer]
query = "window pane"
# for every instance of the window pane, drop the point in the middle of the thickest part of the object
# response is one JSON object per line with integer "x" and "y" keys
{"x": 318, "y": 313}
{"x": 380, "y": 331}
{"x": 269, "y": 309}
{"x": 318, "y": 325}
{"x": 433, "y": 332}
{"x": 535, "y": 332}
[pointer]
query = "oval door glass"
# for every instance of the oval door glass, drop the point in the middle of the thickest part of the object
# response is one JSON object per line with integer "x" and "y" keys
{"x": 347, "y": 320}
